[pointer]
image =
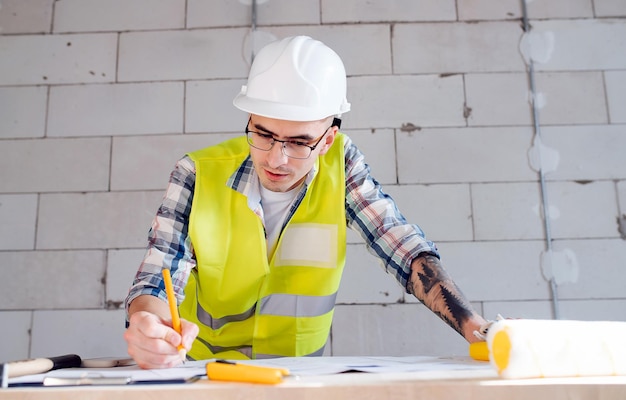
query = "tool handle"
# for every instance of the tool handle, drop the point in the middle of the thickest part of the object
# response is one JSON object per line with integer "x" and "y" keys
{"x": 29, "y": 367}
{"x": 479, "y": 351}
{"x": 41, "y": 365}
{"x": 226, "y": 371}
{"x": 66, "y": 361}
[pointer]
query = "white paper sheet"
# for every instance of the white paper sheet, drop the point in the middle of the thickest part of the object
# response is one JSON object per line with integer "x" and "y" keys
{"x": 333, "y": 365}
{"x": 298, "y": 366}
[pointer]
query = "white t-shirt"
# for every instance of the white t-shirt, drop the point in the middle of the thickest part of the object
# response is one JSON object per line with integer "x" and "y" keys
{"x": 275, "y": 209}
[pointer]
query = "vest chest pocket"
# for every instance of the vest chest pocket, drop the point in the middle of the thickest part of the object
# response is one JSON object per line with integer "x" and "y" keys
{"x": 308, "y": 245}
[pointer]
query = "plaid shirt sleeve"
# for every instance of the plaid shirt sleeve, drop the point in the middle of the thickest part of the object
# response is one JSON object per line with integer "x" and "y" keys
{"x": 375, "y": 216}
{"x": 169, "y": 245}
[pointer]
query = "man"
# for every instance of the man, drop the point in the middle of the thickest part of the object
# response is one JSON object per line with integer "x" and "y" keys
{"x": 253, "y": 230}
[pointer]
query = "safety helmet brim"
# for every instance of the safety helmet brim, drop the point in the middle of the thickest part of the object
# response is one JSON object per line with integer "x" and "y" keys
{"x": 287, "y": 112}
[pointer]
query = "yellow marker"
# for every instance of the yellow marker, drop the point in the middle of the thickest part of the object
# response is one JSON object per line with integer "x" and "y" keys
{"x": 479, "y": 351}
{"x": 171, "y": 300}
{"x": 229, "y": 371}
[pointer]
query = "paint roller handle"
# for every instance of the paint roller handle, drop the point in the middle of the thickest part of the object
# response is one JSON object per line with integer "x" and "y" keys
{"x": 479, "y": 351}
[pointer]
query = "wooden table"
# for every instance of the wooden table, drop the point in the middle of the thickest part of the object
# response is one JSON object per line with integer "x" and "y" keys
{"x": 361, "y": 386}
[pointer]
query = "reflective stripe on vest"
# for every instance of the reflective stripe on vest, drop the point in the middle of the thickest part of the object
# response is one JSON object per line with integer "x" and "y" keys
{"x": 297, "y": 306}
{"x": 216, "y": 323}
{"x": 317, "y": 353}
{"x": 245, "y": 305}
{"x": 276, "y": 304}
{"x": 245, "y": 350}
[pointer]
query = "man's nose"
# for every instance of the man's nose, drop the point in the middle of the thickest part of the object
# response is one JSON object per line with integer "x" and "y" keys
{"x": 276, "y": 156}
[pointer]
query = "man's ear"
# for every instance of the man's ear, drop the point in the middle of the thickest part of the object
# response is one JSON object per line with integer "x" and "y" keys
{"x": 329, "y": 139}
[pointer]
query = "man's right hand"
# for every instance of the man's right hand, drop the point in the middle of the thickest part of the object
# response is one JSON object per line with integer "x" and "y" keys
{"x": 152, "y": 342}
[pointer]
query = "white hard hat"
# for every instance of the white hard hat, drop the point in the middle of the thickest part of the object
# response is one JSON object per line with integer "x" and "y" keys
{"x": 295, "y": 79}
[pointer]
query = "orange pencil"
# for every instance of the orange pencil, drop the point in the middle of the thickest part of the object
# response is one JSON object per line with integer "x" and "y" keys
{"x": 171, "y": 301}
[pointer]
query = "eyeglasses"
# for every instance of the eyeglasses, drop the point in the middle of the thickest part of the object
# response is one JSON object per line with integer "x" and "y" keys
{"x": 292, "y": 148}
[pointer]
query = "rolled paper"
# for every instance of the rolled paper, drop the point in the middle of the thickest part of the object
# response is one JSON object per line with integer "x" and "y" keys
{"x": 527, "y": 348}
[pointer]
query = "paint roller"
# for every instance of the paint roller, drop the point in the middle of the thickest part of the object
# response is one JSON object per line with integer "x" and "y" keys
{"x": 527, "y": 348}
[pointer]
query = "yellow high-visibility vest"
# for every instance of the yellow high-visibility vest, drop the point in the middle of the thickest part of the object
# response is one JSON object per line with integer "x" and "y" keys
{"x": 245, "y": 305}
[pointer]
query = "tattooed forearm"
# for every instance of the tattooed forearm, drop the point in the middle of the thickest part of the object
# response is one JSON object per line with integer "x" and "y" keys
{"x": 432, "y": 285}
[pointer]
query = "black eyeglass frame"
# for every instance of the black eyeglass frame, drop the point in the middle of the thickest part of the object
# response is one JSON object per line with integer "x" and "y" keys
{"x": 283, "y": 142}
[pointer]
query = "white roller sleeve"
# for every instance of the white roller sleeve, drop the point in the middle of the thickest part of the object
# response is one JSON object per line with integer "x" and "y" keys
{"x": 526, "y": 348}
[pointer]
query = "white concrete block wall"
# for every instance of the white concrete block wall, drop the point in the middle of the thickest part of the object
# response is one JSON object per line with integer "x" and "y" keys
{"x": 116, "y": 109}
{"x": 54, "y": 280}
{"x": 489, "y": 46}
{"x": 55, "y": 165}
{"x": 616, "y": 94}
{"x": 23, "y": 112}
{"x": 118, "y": 15}
{"x": 99, "y": 98}
{"x": 471, "y": 10}
{"x": 57, "y": 59}
{"x": 220, "y": 13}
{"x": 583, "y": 152}
{"x": 502, "y": 98}
{"x": 351, "y": 11}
